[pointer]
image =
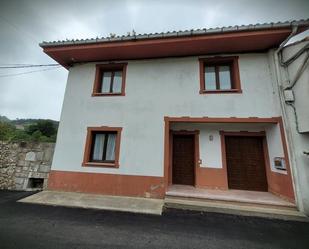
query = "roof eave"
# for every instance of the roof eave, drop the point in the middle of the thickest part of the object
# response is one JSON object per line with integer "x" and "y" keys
{"x": 198, "y": 32}
{"x": 249, "y": 38}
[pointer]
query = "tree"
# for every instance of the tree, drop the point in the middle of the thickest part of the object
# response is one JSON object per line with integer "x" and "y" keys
{"x": 36, "y": 136}
{"x": 46, "y": 127}
{"x": 20, "y": 135}
{"x": 6, "y": 131}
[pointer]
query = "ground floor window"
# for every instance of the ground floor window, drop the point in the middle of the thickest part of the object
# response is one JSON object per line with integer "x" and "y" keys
{"x": 102, "y": 146}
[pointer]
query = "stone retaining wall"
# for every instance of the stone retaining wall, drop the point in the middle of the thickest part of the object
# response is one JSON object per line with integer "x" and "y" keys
{"x": 25, "y": 165}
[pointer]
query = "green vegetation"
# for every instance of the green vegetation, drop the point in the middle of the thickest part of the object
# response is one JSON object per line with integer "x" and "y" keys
{"x": 36, "y": 130}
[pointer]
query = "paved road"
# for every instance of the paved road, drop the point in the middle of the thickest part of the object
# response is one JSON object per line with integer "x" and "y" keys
{"x": 38, "y": 227}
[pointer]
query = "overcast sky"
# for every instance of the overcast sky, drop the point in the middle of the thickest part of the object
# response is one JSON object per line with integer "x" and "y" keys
{"x": 23, "y": 24}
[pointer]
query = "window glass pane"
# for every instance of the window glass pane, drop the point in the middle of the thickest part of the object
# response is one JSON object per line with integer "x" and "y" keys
{"x": 98, "y": 147}
{"x": 110, "y": 150}
{"x": 117, "y": 82}
{"x": 225, "y": 77}
{"x": 210, "y": 78}
{"x": 106, "y": 82}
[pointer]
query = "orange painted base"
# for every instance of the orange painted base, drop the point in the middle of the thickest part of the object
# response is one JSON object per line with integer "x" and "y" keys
{"x": 107, "y": 184}
{"x": 281, "y": 185}
{"x": 211, "y": 178}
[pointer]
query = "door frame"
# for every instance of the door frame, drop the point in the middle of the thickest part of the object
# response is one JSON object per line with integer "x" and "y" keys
{"x": 195, "y": 135}
{"x": 261, "y": 134}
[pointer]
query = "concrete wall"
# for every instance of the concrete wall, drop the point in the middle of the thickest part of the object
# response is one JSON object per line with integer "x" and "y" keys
{"x": 299, "y": 142}
{"x": 154, "y": 89}
{"x": 21, "y": 161}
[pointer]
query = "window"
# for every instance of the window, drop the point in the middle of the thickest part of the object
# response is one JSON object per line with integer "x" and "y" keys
{"x": 102, "y": 146}
{"x": 219, "y": 75}
{"x": 110, "y": 80}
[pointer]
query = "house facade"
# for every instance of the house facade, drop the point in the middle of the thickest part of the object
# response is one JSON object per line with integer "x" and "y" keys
{"x": 198, "y": 108}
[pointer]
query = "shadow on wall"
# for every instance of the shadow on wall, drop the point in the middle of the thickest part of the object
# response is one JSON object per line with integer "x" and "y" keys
{"x": 25, "y": 165}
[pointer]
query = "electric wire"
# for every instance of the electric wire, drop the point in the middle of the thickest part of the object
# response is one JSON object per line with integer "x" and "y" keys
{"x": 28, "y": 65}
{"x": 28, "y": 72}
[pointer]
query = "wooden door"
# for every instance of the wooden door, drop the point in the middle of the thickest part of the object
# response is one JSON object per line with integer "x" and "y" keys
{"x": 245, "y": 163}
{"x": 183, "y": 159}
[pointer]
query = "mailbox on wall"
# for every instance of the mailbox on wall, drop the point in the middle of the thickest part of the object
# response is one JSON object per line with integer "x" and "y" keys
{"x": 279, "y": 163}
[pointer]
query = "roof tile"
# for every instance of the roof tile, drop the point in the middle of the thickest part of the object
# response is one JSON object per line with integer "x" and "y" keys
{"x": 192, "y": 32}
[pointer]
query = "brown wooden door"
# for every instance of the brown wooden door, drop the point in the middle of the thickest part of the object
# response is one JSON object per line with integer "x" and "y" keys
{"x": 245, "y": 163}
{"x": 183, "y": 159}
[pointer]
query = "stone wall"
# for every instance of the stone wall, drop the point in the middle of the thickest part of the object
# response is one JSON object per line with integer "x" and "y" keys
{"x": 24, "y": 165}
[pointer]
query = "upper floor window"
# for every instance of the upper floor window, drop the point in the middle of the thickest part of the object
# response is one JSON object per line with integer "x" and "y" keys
{"x": 102, "y": 147}
{"x": 219, "y": 75}
{"x": 110, "y": 80}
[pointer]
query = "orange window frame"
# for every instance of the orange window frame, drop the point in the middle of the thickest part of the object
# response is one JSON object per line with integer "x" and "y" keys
{"x": 232, "y": 62}
{"x": 112, "y": 67}
{"x": 89, "y": 141}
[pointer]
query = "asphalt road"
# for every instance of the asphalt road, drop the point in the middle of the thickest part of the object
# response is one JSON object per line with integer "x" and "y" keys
{"x": 38, "y": 227}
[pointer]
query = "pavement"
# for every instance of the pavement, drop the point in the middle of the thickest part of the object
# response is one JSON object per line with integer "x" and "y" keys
{"x": 82, "y": 200}
{"x": 155, "y": 206}
{"x": 25, "y": 225}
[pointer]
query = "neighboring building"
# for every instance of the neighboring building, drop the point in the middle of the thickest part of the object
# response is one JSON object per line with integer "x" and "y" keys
{"x": 200, "y": 108}
{"x": 295, "y": 98}
{"x": 20, "y": 127}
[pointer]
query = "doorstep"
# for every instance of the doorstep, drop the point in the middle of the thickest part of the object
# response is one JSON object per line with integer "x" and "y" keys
{"x": 94, "y": 201}
{"x": 248, "y": 203}
{"x": 240, "y": 196}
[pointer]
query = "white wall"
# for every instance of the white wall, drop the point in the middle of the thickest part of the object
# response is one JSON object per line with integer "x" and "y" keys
{"x": 154, "y": 89}
{"x": 275, "y": 146}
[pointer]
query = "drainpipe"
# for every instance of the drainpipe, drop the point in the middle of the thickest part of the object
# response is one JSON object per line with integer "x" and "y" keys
{"x": 284, "y": 114}
{"x": 289, "y": 88}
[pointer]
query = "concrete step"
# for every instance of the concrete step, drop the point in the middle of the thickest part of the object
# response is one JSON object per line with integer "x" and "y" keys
{"x": 239, "y": 202}
{"x": 237, "y": 208}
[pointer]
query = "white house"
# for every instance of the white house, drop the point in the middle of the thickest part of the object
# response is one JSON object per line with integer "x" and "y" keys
{"x": 145, "y": 115}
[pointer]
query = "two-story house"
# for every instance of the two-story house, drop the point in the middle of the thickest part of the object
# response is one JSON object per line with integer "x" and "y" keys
{"x": 153, "y": 114}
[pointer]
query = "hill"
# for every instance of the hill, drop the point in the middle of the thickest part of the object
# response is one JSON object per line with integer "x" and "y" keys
{"x": 4, "y": 119}
{"x": 30, "y": 121}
